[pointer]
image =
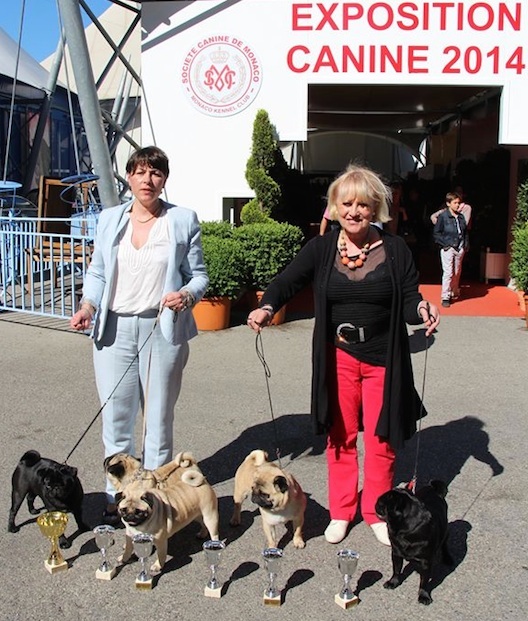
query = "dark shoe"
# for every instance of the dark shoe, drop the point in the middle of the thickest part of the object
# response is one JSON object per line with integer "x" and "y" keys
{"x": 446, "y": 303}
{"x": 110, "y": 516}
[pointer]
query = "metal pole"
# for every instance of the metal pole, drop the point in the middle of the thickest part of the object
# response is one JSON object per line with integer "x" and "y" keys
{"x": 43, "y": 116}
{"x": 88, "y": 100}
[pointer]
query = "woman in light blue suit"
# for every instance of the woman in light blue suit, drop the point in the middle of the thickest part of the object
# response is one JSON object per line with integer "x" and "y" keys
{"x": 147, "y": 257}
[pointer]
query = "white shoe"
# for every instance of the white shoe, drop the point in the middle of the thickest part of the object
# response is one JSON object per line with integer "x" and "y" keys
{"x": 336, "y": 531}
{"x": 381, "y": 532}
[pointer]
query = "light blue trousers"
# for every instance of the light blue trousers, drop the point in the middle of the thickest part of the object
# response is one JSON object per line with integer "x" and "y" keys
{"x": 160, "y": 384}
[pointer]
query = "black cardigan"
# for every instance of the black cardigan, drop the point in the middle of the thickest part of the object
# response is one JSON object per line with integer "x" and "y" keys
{"x": 401, "y": 403}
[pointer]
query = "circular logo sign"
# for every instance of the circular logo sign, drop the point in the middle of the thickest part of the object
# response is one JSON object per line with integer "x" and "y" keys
{"x": 221, "y": 75}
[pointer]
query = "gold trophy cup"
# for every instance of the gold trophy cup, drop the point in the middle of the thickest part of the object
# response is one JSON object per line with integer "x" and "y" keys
{"x": 52, "y": 525}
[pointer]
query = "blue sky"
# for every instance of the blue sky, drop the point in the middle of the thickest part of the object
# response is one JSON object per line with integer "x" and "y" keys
{"x": 40, "y": 27}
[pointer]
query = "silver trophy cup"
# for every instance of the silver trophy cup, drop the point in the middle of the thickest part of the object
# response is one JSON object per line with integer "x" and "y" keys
{"x": 143, "y": 543}
{"x": 213, "y": 551}
{"x": 347, "y": 561}
{"x": 104, "y": 539}
{"x": 272, "y": 558}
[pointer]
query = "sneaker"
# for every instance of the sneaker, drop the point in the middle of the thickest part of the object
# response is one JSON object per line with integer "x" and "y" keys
{"x": 336, "y": 531}
{"x": 381, "y": 532}
{"x": 446, "y": 303}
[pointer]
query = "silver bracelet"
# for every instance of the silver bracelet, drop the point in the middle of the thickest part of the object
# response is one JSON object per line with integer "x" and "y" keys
{"x": 268, "y": 308}
{"x": 189, "y": 299}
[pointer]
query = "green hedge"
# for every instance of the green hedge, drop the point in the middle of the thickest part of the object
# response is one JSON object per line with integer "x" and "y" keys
{"x": 519, "y": 244}
{"x": 268, "y": 248}
{"x": 224, "y": 261}
{"x": 519, "y": 257}
{"x": 219, "y": 228}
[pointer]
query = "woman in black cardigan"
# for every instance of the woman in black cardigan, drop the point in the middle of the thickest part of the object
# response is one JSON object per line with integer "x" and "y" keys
{"x": 366, "y": 291}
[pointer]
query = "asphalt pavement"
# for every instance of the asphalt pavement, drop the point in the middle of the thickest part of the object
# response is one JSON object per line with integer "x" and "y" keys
{"x": 474, "y": 438}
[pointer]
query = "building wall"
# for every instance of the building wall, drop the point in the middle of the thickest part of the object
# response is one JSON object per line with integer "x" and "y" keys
{"x": 209, "y": 66}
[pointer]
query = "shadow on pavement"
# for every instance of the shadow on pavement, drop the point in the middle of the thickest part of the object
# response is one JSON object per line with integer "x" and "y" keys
{"x": 292, "y": 433}
{"x": 444, "y": 449}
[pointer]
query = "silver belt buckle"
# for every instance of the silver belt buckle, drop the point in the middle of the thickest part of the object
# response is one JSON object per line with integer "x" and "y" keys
{"x": 350, "y": 326}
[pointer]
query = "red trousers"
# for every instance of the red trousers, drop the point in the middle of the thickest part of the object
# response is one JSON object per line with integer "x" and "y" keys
{"x": 356, "y": 396}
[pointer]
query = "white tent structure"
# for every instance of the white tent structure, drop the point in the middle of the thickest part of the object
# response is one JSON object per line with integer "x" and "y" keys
{"x": 30, "y": 72}
{"x": 24, "y": 86}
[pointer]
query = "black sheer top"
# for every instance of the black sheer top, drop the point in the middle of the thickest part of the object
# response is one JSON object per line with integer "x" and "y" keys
{"x": 362, "y": 297}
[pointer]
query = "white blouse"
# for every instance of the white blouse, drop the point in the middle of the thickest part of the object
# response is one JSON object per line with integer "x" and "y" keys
{"x": 141, "y": 273}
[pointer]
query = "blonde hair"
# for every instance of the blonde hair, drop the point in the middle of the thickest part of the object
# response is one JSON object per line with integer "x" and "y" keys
{"x": 364, "y": 184}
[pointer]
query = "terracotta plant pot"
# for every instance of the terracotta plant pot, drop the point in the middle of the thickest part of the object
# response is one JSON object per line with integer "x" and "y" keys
{"x": 526, "y": 308}
{"x": 212, "y": 313}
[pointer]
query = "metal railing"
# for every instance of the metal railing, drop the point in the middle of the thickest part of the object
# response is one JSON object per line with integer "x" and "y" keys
{"x": 42, "y": 271}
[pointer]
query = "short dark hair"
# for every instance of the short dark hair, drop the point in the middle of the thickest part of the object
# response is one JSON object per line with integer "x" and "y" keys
{"x": 153, "y": 157}
{"x": 451, "y": 196}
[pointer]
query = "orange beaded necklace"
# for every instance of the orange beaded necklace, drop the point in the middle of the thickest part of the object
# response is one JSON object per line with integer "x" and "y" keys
{"x": 356, "y": 260}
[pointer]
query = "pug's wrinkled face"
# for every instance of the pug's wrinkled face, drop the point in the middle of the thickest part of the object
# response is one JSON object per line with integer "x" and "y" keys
{"x": 270, "y": 492}
{"x": 395, "y": 506}
{"x": 134, "y": 509}
{"x": 119, "y": 467}
{"x": 57, "y": 483}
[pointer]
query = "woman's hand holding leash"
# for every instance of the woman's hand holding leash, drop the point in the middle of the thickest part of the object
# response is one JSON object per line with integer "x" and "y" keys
{"x": 260, "y": 318}
{"x": 178, "y": 301}
{"x": 430, "y": 316}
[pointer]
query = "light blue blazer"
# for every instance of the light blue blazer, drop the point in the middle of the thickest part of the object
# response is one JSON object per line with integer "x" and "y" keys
{"x": 186, "y": 268}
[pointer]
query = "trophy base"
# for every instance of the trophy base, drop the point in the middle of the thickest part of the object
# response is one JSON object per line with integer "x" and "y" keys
{"x": 272, "y": 601}
{"x": 55, "y": 567}
{"x": 105, "y": 575}
{"x": 346, "y": 603}
{"x": 144, "y": 585}
{"x": 208, "y": 592}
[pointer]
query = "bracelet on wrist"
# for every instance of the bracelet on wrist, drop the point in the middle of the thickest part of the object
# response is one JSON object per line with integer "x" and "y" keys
{"x": 188, "y": 299}
{"x": 268, "y": 308}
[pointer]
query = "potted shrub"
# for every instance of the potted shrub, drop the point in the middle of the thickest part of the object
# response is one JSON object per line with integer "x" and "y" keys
{"x": 224, "y": 260}
{"x": 218, "y": 228}
{"x": 519, "y": 262}
{"x": 259, "y": 169}
{"x": 519, "y": 246}
{"x": 268, "y": 248}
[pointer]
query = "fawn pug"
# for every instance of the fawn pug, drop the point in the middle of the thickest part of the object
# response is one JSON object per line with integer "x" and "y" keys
{"x": 278, "y": 495}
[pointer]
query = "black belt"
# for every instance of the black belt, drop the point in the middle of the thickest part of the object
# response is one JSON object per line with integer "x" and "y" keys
{"x": 350, "y": 334}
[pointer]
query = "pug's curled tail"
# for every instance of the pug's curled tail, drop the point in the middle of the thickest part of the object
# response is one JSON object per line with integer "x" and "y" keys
{"x": 30, "y": 458}
{"x": 193, "y": 477}
{"x": 185, "y": 459}
{"x": 258, "y": 457}
{"x": 439, "y": 487}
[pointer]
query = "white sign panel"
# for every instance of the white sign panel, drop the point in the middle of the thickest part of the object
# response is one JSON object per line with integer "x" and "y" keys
{"x": 229, "y": 58}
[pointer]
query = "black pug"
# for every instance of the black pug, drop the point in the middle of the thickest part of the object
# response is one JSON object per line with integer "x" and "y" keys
{"x": 417, "y": 526}
{"x": 56, "y": 484}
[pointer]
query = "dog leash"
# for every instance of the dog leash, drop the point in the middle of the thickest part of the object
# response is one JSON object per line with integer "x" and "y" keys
{"x": 116, "y": 387}
{"x": 412, "y": 483}
{"x": 259, "y": 348}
